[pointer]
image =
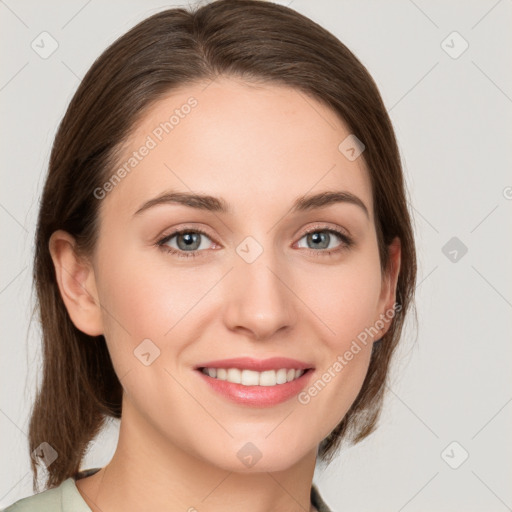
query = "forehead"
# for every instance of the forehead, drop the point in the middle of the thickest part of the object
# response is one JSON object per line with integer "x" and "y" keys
{"x": 257, "y": 146}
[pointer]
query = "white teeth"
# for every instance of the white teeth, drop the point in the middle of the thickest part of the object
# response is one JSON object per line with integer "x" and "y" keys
{"x": 268, "y": 378}
{"x": 253, "y": 378}
{"x": 234, "y": 375}
{"x": 281, "y": 376}
{"x": 250, "y": 378}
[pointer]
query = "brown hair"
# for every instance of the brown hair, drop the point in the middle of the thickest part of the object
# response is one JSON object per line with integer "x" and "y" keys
{"x": 247, "y": 39}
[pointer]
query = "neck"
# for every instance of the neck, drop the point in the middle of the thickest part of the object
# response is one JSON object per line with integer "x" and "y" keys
{"x": 156, "y": 474}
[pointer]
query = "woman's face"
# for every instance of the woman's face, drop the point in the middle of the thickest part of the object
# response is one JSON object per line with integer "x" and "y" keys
{"x": 248, "y": 281}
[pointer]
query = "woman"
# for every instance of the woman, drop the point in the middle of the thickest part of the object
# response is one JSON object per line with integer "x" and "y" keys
{"x": 224, "y": 260}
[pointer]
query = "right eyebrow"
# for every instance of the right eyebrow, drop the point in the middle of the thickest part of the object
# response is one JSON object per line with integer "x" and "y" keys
{"x": 199, "y": 201}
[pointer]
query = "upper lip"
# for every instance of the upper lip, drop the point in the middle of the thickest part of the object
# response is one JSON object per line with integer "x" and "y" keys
{"x": 259, "y": 365}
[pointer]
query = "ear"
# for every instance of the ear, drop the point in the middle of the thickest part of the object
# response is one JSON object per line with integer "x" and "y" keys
{"x": 77, "y": 285}
{"x": 387, "y": 298}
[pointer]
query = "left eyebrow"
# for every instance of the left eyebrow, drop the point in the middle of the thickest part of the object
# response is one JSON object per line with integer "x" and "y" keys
{"x": 219, "y": 205}
{"x": 327, "y": 198}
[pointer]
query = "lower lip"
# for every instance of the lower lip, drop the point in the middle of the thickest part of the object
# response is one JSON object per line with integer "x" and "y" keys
{"x": 258, "y": 396}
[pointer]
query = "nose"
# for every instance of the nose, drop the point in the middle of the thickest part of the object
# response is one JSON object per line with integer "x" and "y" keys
{"x": 260, "y": 301}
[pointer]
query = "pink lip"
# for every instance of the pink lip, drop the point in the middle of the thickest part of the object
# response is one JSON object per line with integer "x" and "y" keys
{"x": 256, "y": 396}
{"x": 258, "y": 365}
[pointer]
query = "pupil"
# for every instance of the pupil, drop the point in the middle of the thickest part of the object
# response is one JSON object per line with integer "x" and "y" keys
{"x": 189, "y": 239}
{"x": 320, "y": 239}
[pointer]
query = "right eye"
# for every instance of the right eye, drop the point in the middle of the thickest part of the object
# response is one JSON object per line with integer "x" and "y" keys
{"x": 188, "y": 242}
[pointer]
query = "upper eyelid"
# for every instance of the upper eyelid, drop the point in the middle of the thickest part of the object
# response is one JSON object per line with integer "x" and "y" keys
{"x": 165, "y": 238}
{"x": 327, "y": 228}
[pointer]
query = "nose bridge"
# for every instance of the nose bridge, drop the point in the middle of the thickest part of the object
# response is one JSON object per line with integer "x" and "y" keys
{"x": 259, "y": 299}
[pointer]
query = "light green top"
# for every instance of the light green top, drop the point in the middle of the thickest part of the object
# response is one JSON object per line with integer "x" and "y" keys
{"x": 64, "y": 498}
{"x": 67, "y": 498}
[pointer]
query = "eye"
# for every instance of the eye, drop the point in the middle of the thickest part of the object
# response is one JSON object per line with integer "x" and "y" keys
{"x": 187, "y": 243}
{"x": 320, "y": 241}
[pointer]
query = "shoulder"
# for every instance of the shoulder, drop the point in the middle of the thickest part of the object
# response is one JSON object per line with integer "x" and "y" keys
{"x": 63, "y": 498}
{"x": 46, "y": 501}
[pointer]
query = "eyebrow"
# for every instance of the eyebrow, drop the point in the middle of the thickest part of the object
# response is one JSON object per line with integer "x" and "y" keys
{"x": 219, "y": 205}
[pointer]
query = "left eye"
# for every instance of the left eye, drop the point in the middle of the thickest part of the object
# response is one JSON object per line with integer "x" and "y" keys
{"x": 321, "y": 239}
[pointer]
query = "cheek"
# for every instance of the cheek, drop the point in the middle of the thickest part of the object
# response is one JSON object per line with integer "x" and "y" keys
{"x": 346, "y": 304}
{"x": 348, "y": 309}
{"x": 335, "y": 389}
{"x": 345, "y": 299}
{"x": 143, "y": 298}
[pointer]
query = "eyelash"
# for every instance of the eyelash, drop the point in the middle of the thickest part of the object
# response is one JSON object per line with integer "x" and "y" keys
{"x": 347, "y": 242}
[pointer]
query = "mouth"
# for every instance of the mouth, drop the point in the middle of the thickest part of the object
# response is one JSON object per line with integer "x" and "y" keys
{"x": 256, "y": 383}
{"x": 247, "y": 377}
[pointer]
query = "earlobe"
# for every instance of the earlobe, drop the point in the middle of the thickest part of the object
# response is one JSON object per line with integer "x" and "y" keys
{"x": 77, "y": 285}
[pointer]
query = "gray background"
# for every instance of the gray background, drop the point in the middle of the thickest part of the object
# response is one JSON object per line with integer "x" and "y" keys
{"x": 451, "y": 380}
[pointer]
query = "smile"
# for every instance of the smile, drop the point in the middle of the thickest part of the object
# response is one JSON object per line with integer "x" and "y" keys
{"x": 254, "y": 378}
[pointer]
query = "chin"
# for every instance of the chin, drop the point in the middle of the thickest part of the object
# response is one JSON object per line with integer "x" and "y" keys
{"x": 258, "y": 457}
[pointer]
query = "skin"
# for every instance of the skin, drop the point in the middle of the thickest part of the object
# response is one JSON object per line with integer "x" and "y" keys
{"x": 259, "y": 148}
